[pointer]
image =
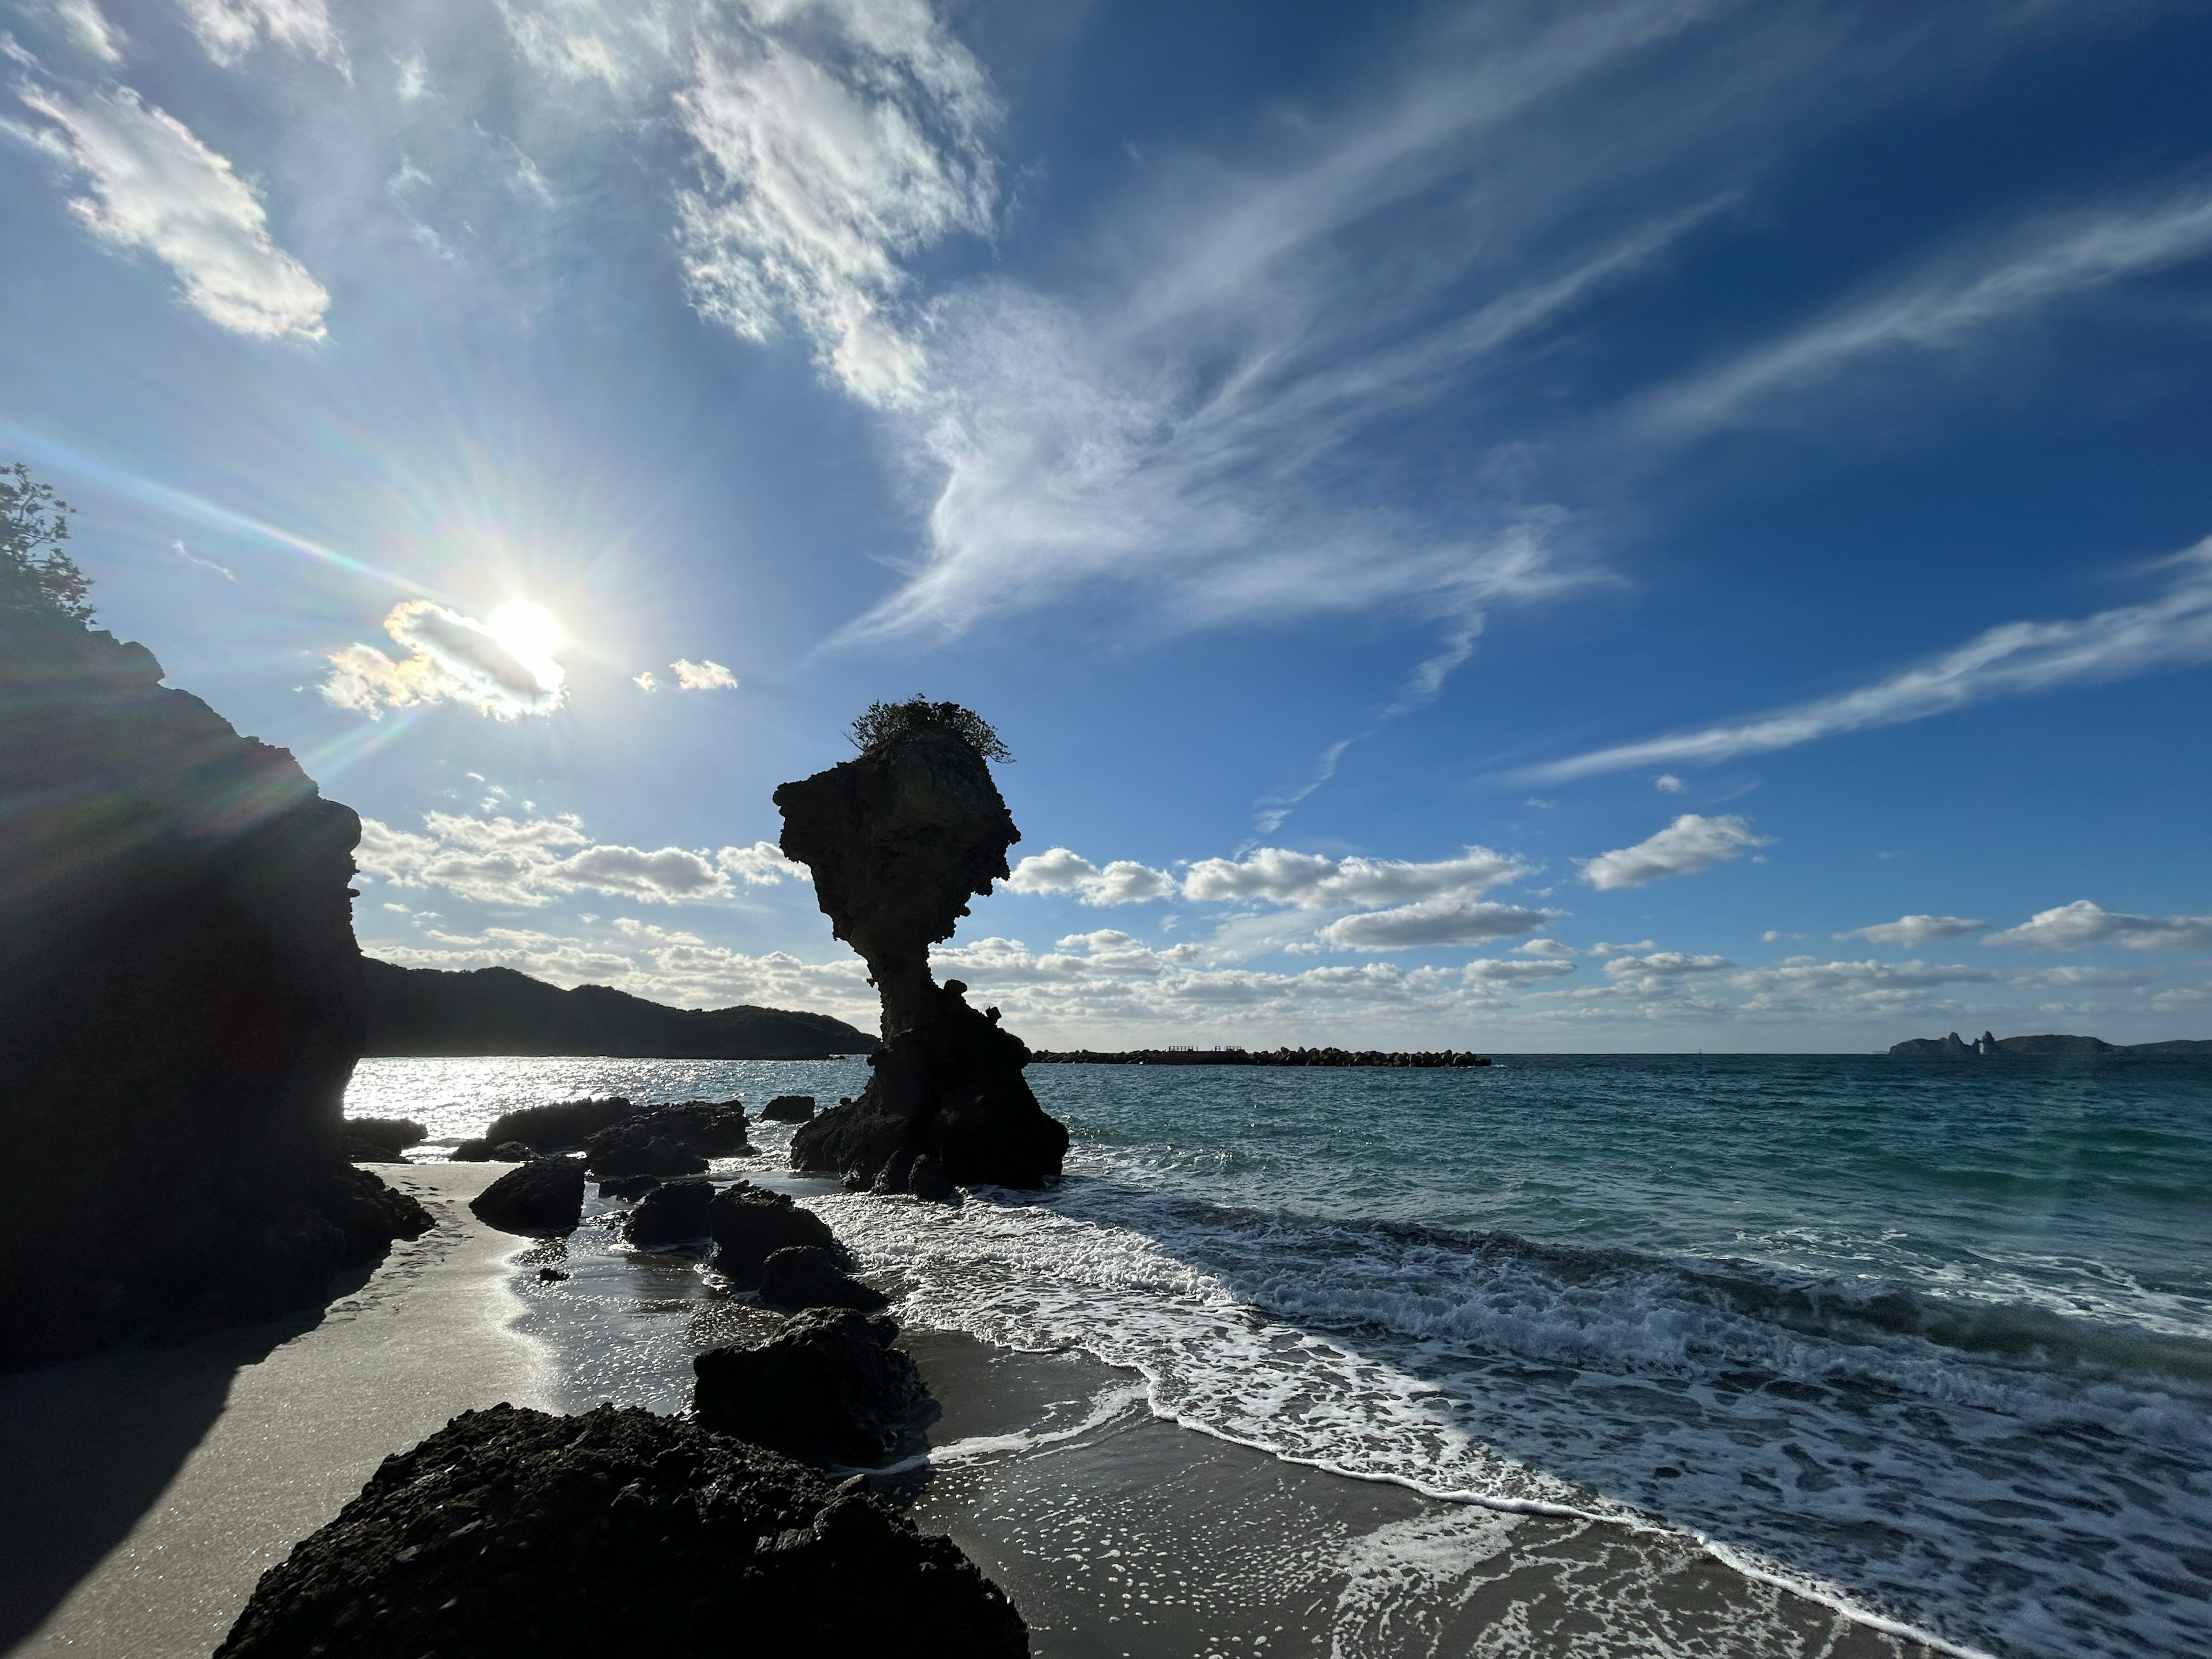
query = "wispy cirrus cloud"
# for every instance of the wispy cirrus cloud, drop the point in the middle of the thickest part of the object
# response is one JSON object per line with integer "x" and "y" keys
{"x": 153, "y": 187}
{"x": 2016, "y": 659}
{"x": 228, "y": 30}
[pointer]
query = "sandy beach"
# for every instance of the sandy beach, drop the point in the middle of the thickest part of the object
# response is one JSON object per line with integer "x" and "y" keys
{"x": 149, "y": 1488}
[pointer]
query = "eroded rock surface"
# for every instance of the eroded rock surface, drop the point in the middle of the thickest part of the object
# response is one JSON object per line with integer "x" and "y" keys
{"x": 514, "y": 1535}
{"x": 898, "y": 839}
{"x": 181, "y": 1007}
{"x": 672, "y": 1213}
{"x": 829, "y": 1388}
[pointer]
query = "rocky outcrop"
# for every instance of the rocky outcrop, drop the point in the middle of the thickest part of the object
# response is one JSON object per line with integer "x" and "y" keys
{"x": 829, "y": 1388}
{"x": 897, "y": 839}
{"x": 630, "y": 1186}
{"x": 749, "y": 1223}
{"x": 808, "y": 1276}
{"x": 652, "y": 1155}
{"x": 561, "y": 1126}
{"x": 513, "y": 1533}
{"x": 382, "y": 1139}
{"x": 673, "y": 1213}
{"x": 711, "y": 1128}
{"x": 542, "y": 1197}
{"x": 789, "y": 1109}
{"x": 180, "y": 1007}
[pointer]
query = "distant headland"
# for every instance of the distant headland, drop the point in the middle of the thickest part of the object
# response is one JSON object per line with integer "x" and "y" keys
{"x": 498, "y": 1011}
{"x": 2039, "y": 1048}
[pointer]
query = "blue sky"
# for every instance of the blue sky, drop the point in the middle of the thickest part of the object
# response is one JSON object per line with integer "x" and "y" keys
{"x": 1637, "y": 525}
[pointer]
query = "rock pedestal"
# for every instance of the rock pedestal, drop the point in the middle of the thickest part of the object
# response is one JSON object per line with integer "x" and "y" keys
{"x": 898, "y": 839}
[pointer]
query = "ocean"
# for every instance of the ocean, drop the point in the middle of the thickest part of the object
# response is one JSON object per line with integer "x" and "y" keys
{"x": 1931, "y": 1343}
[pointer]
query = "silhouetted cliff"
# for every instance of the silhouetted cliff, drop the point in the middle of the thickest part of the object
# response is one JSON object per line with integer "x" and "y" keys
{"x": 496, "y": 1011}
{"x": 181, "y": 1007}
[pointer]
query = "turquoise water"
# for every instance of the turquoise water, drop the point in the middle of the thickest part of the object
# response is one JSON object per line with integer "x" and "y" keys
{"x": 1933, "y": 1342}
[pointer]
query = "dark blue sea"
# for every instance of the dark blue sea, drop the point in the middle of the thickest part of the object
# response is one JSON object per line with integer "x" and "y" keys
{"x": 1931, "y": 1341}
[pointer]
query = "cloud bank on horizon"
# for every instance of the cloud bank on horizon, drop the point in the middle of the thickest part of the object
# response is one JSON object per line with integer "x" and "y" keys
{"x": 1575, "y": 397}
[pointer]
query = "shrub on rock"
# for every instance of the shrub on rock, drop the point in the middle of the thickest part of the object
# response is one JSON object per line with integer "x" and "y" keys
{"x": 829, "y": 1388}
{"x": 515, "y": 1534}
{"x": 545, "y": 1195}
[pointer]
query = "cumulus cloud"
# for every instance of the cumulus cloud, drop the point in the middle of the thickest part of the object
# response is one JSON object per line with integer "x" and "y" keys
{"x": 1490, "y": 970}
{"x": 155, "y": 187}
{"x": 228, "y": 30}
{"x": 1690, "y": 843}
{"x": 1908, "y": 932}
{"x": 1668, "y": 782}
{"x": 1431, "y": 922}
{"x": 2081, "y": 924}
{"x": 645, "y": 681}
{"x": 2014, "y": 660}
{"x": 833, "y": 139}
{"x": 450, "y": 658}
{"x": 1310, "y": 881}
{"x": 690, "y": 676}
{"x": 1058, "y": 870}
{"x": 530, "y": 862}
{"x": 1550, "y": 949}
{"x": 761, "y": 864}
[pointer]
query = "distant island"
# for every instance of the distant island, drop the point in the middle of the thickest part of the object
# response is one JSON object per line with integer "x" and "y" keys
{"x": 498, "y": 1011}
{"x": 2041, "y": 1048}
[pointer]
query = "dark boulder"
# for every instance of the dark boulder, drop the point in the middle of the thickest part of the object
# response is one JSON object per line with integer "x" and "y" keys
{"x": 789, "y": 1109}
{"x": 545, "y": 1195}
{"x": 750, "y": 1224}
{"x": 382, "y": 1139}
{"x": 561, "y": 1126}
{"x": 829, "y": 1388}
{"x": 180, "y": 1007}
{"x": 515, "y": 1534}
{"x": 706, "y": 1128}
{"x": 654, "y": 1155}
{"x": 673, "y": 1213}
{"x": 897, "y": 839}
{"x": 633, "y": 1186}
{"x": 808, "y": 1276}
{"x": 927, "y": 1179}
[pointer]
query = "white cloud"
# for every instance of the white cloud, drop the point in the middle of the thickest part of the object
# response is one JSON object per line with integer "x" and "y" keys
{"x": 833, "y": 139}
{"x": 761, "y": 864}
{"x": 645, "y": 681}
{"x": 1946, "y": 309}
{"x": 1432, "y": 923}
{"x": 411, "y": 81}
{"x": 155, "y": 187}
{"x": 701, "y": 675}
{"x": 1549, "y": 949}
{"x": 530, "y": 862}
{"x": 228, "y": 30}
{"x": 1909, "y": 932}
{"x": 1690, "y": 843}
{"x": 1310, "y": 881}
{"x": 2081, "y": 924}
{"x": 450, "y": 658}
{"x": 88, "y": 27}
{"x": 1489, "y": 970}
{"x": 1602, "y": 948}
{"x": 2012, "y": 660}
{"x": 1123, "y": 881}
{"x": 1669, "y": 783}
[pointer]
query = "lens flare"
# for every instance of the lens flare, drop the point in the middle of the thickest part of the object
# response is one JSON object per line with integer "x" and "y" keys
{"x": 530, "y": 632}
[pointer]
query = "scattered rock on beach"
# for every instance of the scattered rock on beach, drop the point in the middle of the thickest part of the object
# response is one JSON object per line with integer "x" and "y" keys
{"x": 789, "y": 1109}
{"x": 560, "y": 1126}
{"x": 382, "y": 1139}
{"x": 897, "y": 839}
{"x": 830, "y": 1387}
{"x": 545, "y": 1195}
{"x": 808, "y": 1276}
{"x": 631, "y": 1186}
{"x": 654, "y": 1155}
{"x": 673, "y": 1213}
{"x": 750, "y": 1223}
{"x": 513, "y": 1533}
{"x": 688, "y": 1133}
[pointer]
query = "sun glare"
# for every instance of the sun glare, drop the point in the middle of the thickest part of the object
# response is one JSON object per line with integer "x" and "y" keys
{"x": 529, "y": 632}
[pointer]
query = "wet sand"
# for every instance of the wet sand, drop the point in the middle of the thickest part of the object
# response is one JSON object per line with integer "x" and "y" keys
{"x": 148, "y": 1489}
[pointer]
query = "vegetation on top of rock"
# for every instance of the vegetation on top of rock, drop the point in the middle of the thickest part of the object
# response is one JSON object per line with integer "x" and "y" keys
{"x": 35, "y": 575}
{"x": 886, "y": 720}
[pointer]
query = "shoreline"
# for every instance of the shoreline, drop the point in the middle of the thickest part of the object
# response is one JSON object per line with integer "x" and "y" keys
{"x": 149, "y": 1488}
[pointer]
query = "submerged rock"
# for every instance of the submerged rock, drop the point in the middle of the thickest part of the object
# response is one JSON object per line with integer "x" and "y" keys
{"x": 673, "y": 1213}
{"x": 898, "y": 839}
{"x": 789, "y": 1109}
{"x": 515, "y": 1534}
{"x": 808, "y": 1276}
{"x": 180, "y": 1008}
{"x": 830, "y": 1387}
{"x": 750, "y": 1224}
{"x": 544, "y": 1196}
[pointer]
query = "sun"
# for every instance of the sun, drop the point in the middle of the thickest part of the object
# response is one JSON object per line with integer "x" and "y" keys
{"x": 530, "y": 633}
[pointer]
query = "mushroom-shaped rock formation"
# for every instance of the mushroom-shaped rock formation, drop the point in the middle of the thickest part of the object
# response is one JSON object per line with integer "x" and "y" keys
{"x": 898, "y": 839}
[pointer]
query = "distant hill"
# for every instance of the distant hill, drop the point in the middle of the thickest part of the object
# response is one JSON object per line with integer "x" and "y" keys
{"x": 2046, "y": 1046}
{"x": 496, "y": 1011}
